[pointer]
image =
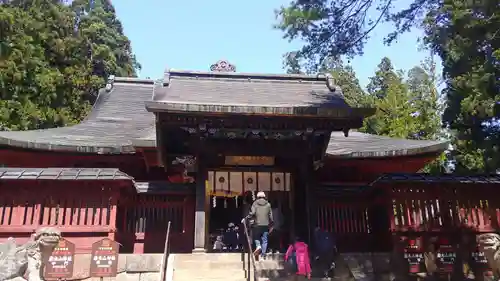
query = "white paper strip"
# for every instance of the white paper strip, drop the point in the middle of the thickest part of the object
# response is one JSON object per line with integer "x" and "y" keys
{"x": 236, "y": 180}
{"x": 288, "y": 182}
{"x": 264, "y": 180}
{"x": 210, "y": 181}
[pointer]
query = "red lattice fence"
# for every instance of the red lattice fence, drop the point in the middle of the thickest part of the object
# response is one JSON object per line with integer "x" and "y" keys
{"x": 83, "y": 217}
{"x": 144, "y": 219}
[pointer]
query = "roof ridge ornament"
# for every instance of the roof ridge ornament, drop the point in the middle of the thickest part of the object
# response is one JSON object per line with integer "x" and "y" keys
{"x": 330, "y": 82}
{"x": 222, "y": 66}
{"x": 110, "y": 82}
{"x": 166, "y": 77}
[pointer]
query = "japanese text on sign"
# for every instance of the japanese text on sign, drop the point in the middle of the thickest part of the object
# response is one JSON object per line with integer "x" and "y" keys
{"x": 249, "y": 160}
{"x": 60, "y": 262}
{"x": 104, "y": 260}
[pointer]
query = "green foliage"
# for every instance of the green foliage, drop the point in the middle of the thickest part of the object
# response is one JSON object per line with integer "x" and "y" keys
{"x": 392, "y": 100}
{"x": 292, "y": 64}
{"x": 384, "y": 77}
{"x": 53, "y": 60}
{"x": 464, "y": 34}
{"x": 343, "y": 75}
{"x": 405, "y": 108}
{"x": 422, "y": 83}
{"x": 334, "y": 28}
{"x": 109, "y": 49}
{"x": 439, "y": 166}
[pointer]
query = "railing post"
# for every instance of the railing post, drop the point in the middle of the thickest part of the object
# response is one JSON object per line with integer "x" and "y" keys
{"x": 163, "y": 266}
{"x": 251, "y": 257}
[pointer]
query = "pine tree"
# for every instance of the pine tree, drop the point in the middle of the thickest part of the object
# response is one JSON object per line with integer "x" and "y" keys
{"x": 108, "y": 48}
{"x": 405, "y": 109}
{"x": 47, "y": 77}
{"x": 465, "y": 35}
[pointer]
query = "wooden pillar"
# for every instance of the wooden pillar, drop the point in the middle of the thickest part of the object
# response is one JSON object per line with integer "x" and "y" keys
{"x": 301, "y": 204}
{"x": 311, "y": 199}
{"x": 200, "y": 216}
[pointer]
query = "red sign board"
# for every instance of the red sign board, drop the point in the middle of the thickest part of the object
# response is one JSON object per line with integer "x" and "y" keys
{"x": 104, "y": 259}
{"x": 60, "y": 263}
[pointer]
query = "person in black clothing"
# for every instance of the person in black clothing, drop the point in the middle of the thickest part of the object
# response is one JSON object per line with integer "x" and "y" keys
{"x": 325, "y": 250}
{"x": 231, "y": 238}
{"x": 275, "y": 236}
{"x": 247, "y": 204}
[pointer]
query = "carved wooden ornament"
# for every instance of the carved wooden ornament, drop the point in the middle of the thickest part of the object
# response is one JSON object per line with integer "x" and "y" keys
{"x": 222, "y": 66}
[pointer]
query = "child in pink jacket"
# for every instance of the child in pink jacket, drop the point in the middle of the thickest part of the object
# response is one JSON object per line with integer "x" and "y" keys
{"x": 300, "y": 251}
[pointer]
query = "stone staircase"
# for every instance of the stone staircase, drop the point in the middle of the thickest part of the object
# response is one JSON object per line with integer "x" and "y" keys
{"x": 233, "y": 267}
{"x": 223, "y": 266}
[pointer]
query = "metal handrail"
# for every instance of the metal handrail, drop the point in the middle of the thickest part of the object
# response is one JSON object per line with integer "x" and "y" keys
{"x": 166, "y": 253}
{"x": 251, "y": 257}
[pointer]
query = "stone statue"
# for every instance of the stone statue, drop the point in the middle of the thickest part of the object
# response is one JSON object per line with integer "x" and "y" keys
{"x": 489, "y": 243}
{"x": 26, "y": 260}
{"x": 430, "y": 258}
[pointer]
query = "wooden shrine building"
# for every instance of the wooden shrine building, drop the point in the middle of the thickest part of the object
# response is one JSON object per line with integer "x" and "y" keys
{"x": 187, "y": 147}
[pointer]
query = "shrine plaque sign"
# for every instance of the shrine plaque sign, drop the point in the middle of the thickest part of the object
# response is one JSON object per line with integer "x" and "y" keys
{"x": 249, "y": 160}
{"x": 104, "y": 259}
{"x": 60, "y": 263}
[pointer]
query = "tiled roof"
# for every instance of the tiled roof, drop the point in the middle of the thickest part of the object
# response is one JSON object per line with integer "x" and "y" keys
{"x": 250, "y": 94}
{"x": 62, "y": 174}
{"x": 405, "y": 178}
{"x": 117, "y": 118}
{"x": 163, "y": 186}
{"x": 119, "y": 121}
{"x": 360, "y": 145}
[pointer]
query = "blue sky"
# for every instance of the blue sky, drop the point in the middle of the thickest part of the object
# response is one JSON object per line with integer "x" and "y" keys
{"x": 193, "y": 34}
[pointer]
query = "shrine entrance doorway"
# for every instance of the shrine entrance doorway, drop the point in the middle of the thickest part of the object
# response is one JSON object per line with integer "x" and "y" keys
{"x": 229, "y": 195}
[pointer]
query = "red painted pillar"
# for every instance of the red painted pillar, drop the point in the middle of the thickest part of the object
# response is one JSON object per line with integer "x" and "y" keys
{"x": 115, "y": 194}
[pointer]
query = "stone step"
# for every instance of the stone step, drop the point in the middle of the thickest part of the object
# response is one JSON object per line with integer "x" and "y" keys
{"x": 225, "y": 266}
{"x": 209, "y": 265}
{"x": 267, "y": 264}
{"x": 230, "y": 272}
{"x": 207, "y": 271}
{"x": 209, "y": 257}
{"x": 214, "y": 274}
{"x": 231, "y": 278}
{"x": 223, "y": 256}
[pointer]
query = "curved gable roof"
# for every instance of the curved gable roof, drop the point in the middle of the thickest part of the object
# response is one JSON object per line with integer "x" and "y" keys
{"x": 119, "y": 122}
{"x": 247, "y": 93}
{"x": 118, "y": 117}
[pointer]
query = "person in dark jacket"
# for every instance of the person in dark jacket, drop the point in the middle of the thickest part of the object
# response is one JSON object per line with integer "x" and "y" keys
{"x": 231, "y": 238}
{"x": 325, "y": 250}
{"x": 261, "y": 213}
{"x": 275, "y": 235}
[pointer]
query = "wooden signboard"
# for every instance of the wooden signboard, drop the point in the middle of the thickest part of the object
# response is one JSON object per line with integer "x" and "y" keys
{"x": 104, "y": 259}
{"x": 60, "y": 263}
{"x": 446, "y": 256}
{"x": 414, "y": 254}
{"x": 249, "y": 161}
